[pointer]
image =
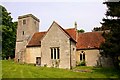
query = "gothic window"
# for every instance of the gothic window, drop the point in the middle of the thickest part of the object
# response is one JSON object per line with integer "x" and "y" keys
{"x": 82, "y": 56}
{"x": 55, "y": 53}
{"x": 24, "y": 21}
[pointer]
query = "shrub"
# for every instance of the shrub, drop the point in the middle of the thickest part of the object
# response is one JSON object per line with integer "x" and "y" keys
{"x": 83, "y": 63}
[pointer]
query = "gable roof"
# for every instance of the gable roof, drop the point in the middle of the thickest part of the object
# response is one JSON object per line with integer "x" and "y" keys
{"x": 89, "y": 40}
{"x": 64, "y": 31}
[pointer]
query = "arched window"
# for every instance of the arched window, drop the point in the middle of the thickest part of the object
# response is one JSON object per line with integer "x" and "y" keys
{"x": 82, "y": 56}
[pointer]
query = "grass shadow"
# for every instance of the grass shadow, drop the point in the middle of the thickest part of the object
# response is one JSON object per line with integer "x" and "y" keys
{"x": 108, "y": 72}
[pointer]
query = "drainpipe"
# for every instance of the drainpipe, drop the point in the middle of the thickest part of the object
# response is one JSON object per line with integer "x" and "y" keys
{"x": 70, "y": 56}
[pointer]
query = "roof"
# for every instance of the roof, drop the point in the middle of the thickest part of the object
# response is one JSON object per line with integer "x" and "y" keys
{"x": 72, "y": 33}
{"x": 36, "y": 39}
{"x": 89, "y": 40}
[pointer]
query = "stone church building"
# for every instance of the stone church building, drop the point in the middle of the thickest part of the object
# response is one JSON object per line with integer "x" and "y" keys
{"x": 56, "y": 47}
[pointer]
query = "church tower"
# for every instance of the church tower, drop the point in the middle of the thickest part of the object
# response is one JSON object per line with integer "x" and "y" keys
{"x": 27, "y": 26}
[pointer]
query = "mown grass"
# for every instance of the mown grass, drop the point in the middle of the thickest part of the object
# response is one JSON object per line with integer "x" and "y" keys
{"x": 10, "y": 69}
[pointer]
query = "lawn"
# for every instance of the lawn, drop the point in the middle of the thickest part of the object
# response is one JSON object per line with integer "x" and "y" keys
{"x": 10, "y": 69}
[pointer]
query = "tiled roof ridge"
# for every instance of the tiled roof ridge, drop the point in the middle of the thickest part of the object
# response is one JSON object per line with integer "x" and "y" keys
{"x": 69, "y": 28}
{"x": 41, "y": 32}
{"x": 91, "y": 32}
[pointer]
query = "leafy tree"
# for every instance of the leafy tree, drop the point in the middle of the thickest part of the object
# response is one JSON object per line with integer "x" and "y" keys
{"x": 96, "y": 29}
{"x": 0, "y": 42}
{"x": 100, "y": 28}
{"x": 81, "y": 31}
{"x": 8, "y": 34}
{"x": 111, "y": 47}
{"x": 0, "y": 33}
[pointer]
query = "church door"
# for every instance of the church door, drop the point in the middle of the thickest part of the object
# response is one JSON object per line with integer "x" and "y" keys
{"x": 38, "y": 60}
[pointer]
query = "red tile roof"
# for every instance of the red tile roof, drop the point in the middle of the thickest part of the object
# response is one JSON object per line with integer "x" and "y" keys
{"x": 71, "y": 32}
{"x": 89, "y": 40}
{"x": 36, "y": 39}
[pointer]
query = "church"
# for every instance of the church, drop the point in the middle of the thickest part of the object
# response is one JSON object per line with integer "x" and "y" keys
{"x": 56, "y": 47}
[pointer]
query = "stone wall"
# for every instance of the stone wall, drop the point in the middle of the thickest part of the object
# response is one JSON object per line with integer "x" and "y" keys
{"x": 55, "y": 37}
{"x": 73, "y": 55}
{"x": 31, "y": 54}
{"x": 91, "y": 56}
{"x": 105, "y": 61}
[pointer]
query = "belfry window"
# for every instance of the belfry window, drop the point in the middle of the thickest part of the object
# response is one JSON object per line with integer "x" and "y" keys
{"x": 82, "y": 56}
{"x": 55, "y": 53}
{"x": 24, "y": 21}
{"x": 23, "y": 33}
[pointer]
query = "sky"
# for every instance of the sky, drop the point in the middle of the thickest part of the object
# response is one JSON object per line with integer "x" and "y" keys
{"x": 87, "y": 14}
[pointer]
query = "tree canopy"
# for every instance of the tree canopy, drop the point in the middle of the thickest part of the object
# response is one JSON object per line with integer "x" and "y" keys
{"x": 81, "y": 31}
{"x": 111, "y": 47}
{"x": 8, "y": 33}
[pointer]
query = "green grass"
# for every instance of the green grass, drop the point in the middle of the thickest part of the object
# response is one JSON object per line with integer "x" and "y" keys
{"x": 10, "y": 69}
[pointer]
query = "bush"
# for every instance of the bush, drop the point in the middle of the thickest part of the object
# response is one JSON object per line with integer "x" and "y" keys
{"x": 83, "y": 63}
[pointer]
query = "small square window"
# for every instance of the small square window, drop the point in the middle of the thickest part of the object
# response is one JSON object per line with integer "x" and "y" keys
{"x": 73, "y": 49}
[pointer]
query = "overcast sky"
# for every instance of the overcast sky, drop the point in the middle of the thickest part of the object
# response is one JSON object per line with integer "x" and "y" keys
{"x": 87, "y": 14}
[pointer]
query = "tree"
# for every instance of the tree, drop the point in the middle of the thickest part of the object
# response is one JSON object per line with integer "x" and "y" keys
{"x": 100, "y": 28}
{"x": 81, "y": 31}
{"x": 97, "y": 29}
{"x": 111, "y": 47}
{"x": 0, "y": 42}
{"x": 8, "y": 34}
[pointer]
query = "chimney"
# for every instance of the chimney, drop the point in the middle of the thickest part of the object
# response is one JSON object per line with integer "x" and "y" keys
{"x": 75, "y": 24}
